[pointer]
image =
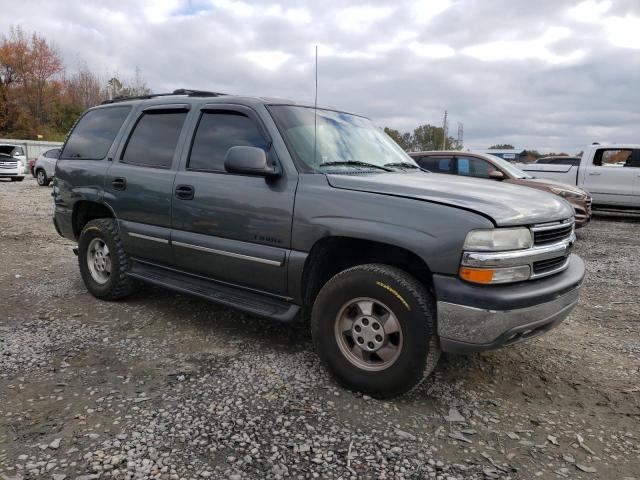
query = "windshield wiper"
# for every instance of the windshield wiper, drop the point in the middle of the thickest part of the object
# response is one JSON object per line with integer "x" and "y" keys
{"x": 356, "y": 163}
{"x": 402, "y": 165}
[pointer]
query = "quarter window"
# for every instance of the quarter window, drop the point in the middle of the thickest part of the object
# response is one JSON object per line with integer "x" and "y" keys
{"x": 217, "y": 132}
{"x": 154, "y": 139}
{"x": 93, "y": 135}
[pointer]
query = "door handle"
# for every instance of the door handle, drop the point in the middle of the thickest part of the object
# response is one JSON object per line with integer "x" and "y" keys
{"x": 119, "y": 183}
{"x": 185, "y": 192}
{"x": 595, "y": 173}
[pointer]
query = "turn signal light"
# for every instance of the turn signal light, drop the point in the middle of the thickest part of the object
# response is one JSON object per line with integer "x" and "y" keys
{"x": 476, "y": 275}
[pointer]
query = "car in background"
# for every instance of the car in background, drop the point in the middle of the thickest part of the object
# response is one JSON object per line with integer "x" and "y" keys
{"x": 45, "y": 166}
{"x": 483, "y": 165}
{"x": 559, "y": 160}
{"x": 13, "y": 162}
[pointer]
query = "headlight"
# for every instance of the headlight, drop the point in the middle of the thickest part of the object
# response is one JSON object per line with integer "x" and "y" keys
{"x": 565, "y": 193}
{"x": 498, "y": 239}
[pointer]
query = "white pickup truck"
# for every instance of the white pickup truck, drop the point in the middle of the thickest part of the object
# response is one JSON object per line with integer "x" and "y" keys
{"x": 610, "y": 172}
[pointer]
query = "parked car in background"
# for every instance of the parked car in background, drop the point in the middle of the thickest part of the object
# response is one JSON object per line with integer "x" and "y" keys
{"x": 490, "y": 167}
{"x": 45, "y": 167}
{"x": 13, "y": 162}
{"x": 196, "y": 192}
{"x": 611, "y": 173}
{"x": 559, "y": 160}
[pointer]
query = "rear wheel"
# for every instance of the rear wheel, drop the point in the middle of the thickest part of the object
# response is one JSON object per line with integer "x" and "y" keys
{"x": 42, "y": 179}
{"x": 103, "y": 261}
{"x": 374, "y": 327}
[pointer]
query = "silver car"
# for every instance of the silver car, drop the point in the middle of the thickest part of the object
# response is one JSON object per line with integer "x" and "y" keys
{"x": 45, "y": 166}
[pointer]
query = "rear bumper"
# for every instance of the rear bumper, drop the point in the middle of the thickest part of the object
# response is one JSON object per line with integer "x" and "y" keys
{"x": 474, "y": 318}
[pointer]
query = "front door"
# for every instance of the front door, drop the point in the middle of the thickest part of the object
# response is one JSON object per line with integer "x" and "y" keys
{"x": 139, "y": 184}
{"x": 611, "y": 176}
{"x": 232, "y": 228}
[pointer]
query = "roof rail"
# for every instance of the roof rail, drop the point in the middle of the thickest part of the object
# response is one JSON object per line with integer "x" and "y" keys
{"x": 180, "y": 91}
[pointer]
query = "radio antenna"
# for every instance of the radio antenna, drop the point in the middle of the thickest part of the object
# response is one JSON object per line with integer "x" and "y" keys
{"x": 315, "y": 114}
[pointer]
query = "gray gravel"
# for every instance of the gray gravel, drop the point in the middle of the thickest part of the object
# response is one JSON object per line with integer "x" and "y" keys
{"x": 166, "y": 386}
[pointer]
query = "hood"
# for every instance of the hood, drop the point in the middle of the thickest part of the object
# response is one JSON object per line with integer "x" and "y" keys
{"x": 507, "y": 205}
{"x": 547, "y": 182}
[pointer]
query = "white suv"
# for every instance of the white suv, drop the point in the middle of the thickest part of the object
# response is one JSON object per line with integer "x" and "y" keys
{"x": 45, "y": 166}
{"x": 12, "y": 162}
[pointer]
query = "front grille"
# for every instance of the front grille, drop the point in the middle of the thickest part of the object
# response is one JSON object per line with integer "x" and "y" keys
{"x": 545, "y": 235}
{"x": 548, "y": 265}
{"x": 8, "y": 165}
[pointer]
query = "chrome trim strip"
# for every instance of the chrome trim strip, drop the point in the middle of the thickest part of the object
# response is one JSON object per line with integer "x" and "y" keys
{"x": 555, "y": 226}
{"x": 229, "y": 254}
{"x": 147, "y": 237}
{"x": 518, "y": 257}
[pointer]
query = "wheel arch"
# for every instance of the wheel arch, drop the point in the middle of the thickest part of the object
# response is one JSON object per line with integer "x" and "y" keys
{"x": 86, "y": 210}
{"x": 333, "y": 254}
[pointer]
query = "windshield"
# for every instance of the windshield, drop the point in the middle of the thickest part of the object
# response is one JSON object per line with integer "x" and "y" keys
{"x": 510, "y": 168}
{"x": 343, "y": 141}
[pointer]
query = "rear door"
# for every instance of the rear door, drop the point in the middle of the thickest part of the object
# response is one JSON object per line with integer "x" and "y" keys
{"x": 139, "y": 184}
{"x": 232, "y": 228}
{"x": 611, "y": 176}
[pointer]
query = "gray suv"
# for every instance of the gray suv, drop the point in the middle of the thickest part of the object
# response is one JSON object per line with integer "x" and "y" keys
{"x": 290, "y": 212}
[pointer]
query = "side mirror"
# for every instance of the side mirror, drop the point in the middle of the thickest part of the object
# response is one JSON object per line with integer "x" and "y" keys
{"x": 496, "y": 175}
{"x": 248, "y": 161}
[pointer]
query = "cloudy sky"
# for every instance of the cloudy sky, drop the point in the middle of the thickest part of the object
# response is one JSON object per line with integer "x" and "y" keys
{"x": 545, "y": 74}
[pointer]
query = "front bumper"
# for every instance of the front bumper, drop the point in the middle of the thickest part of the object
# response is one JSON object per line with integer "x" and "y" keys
{"x": 474, "y": 318}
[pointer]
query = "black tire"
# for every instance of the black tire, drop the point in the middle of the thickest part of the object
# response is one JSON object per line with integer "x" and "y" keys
{"x": 118, "y": 285}
{"x": 409, "y": 302}
{"x": 41, "y": 178}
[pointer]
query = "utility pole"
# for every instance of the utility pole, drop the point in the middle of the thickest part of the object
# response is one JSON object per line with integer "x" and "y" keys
{"x": 460, "y": 135}
{"x": 445, "y": 130}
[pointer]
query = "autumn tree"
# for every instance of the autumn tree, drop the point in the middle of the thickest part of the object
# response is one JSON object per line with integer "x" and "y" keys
{"x": 501, "y": 146}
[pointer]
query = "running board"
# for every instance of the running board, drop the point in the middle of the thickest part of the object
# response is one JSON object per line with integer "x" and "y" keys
{"x": 247, "y": 301}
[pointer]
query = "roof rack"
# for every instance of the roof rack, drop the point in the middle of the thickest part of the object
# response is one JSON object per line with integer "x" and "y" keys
{"x": 180, "y": 91}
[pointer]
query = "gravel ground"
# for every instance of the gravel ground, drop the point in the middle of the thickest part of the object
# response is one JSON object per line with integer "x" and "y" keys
{"x": 166, "y": 386}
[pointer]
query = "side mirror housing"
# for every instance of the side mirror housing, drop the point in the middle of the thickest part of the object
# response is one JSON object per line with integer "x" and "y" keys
{"x": 249, "y": 161}
{"x": 496, "y": 175}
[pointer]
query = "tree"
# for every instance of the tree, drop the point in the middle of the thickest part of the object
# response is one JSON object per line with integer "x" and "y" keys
{"x": 403, "y": 140}
{"x": 430, "y": 137}
{"x": 501, "y": 146}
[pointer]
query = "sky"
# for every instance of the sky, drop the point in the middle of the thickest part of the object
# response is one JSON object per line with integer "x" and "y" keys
{"x": 551, "y": 75}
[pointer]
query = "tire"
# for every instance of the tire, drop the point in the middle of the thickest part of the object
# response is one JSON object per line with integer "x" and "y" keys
{"x": 106, "y": 285}
{"x": 410, "y": 345}
{"x": 41, "y": 178}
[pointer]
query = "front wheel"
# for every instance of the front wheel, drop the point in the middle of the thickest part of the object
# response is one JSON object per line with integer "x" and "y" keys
{"x": 103, "y": 261}
{"x": 42, "y": 179}
{"x": 374, "y": 327}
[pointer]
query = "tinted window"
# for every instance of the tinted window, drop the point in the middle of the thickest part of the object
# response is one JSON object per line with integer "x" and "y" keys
{"x": 154, "y": 139}
{"x": 217, "y": 133}
{"x": 474, "y": 167}
{"x": 436, "y": 164}
{"x": 94, "y": 133}
{"x": 54, "y": 153}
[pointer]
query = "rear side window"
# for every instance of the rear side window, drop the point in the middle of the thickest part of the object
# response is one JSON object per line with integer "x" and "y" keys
{"x": 613, "y": 157}
{"x": 436, "y": 164}
{"x": 93, "y": 135}
{"x": 219, "y": 131}
{"x": 154, "y": 139}
{"x": 54, "y": 153}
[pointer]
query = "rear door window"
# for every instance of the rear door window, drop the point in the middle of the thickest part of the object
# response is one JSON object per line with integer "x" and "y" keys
{"x": 55, "y": 153}
{"x": 613, "y": 157}
{"x": 154, "y": 139}
{"x": 436, "y": 164}
{"x": 94, "y": 133}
